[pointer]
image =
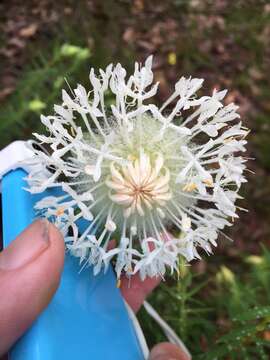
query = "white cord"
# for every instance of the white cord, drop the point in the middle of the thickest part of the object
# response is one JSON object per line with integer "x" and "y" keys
{"x": 170, "y": 334}
{"x": 138, "y": 331}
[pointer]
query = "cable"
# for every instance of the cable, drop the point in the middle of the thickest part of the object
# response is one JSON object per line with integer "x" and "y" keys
{"x": 170, "y": 334}
{"x": 138, "y": 331}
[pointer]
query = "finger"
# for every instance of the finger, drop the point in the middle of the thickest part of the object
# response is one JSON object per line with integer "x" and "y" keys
{"x": 30, "y": 269}
{"x": 166, "y": 351}
{"x": 134, "y": 290}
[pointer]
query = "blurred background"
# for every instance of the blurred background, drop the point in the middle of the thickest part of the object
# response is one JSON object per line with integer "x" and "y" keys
{"x": 220, "y": 306}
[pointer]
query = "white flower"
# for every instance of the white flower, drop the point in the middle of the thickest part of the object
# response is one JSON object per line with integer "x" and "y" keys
{"x": 133, "y": 171}
{"x": 157, "y": 256}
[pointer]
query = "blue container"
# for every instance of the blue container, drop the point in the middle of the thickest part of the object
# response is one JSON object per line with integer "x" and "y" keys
{"x": 87, "y": 318}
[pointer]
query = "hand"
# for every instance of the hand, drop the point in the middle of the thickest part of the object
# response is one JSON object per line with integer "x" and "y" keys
{"x": 36, "y": 257}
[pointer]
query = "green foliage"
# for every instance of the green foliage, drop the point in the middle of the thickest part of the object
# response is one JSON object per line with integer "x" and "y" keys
{"x": 222, "y": 316}
{"x": 40, "y": 88}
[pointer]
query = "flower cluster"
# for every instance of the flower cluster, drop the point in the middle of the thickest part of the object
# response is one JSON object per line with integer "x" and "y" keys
{"x": 133, "y": 171}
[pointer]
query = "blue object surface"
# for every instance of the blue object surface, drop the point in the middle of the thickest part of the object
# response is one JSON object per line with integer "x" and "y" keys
{"x": 87, "y": 318}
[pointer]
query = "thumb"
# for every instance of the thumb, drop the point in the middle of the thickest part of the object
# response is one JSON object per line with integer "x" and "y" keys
{"x": 30, "y": 269}
{"x": 166, "y": 351}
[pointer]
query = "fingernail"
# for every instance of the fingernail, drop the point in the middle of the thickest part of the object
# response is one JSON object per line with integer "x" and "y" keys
{"x": 27, "y": 246}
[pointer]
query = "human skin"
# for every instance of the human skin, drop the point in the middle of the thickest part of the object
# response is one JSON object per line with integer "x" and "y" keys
{"x": 36, "y": 257}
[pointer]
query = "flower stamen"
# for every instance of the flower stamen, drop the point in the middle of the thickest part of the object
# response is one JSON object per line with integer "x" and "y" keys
{"x": 140, "y": 185}
{"x": 190, "y": 187}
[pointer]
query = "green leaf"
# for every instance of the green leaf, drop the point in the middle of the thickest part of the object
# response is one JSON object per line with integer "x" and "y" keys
{"x": 254, "y": 314}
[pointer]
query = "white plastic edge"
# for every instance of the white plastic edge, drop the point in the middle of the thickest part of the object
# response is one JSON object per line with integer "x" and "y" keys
{"x": 13, "y": 156}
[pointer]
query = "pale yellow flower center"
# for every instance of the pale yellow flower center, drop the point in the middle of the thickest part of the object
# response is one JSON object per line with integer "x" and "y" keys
{"x": 140, "y": 185}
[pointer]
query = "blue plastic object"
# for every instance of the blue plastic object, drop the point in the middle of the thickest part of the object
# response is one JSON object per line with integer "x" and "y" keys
{"x": 87, "y": 318}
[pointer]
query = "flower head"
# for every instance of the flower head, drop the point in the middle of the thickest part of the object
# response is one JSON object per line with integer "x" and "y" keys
{"x": 134, "y": 171}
